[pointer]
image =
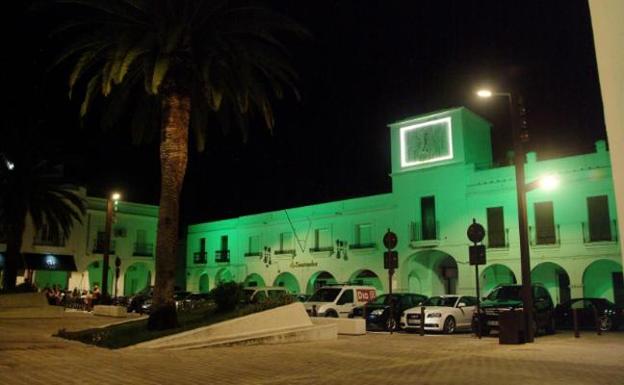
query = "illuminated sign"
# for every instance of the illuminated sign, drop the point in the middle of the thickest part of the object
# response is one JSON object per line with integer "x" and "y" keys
{"x": 365, "y": 295}
{"x": 50, "y": 261}
{"x": 426, "y": 142}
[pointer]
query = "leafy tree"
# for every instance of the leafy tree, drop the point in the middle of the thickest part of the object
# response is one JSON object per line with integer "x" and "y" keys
{"x": 182, "y": 61}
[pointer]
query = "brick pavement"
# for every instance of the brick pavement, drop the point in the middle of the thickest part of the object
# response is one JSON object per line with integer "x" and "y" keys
{"x": 29, "y": 355}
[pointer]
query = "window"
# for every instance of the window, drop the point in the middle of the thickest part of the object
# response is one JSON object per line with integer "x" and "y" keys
{"x": 364, "y": 235}
{"x": 495, "y": 227}
{"x": 286, "y": 241}
{"x": 202, "y": 244}
{"x": 544, "y": 224}
{"x": 253, "y": 247}
{"x": 140, "y": 237}
{"x": 346, "y": 297}
{"x": 599, "y": 221}
{"x": 322, "y": 240}
{"x": 428, "y": 218}
{"x": 224, "y": 242}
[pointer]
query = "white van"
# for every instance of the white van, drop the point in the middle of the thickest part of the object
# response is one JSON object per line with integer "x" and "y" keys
{"x": 338, "y": 301}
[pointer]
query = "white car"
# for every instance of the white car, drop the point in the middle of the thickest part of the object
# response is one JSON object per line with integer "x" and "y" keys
{"x": 444, "y": 313}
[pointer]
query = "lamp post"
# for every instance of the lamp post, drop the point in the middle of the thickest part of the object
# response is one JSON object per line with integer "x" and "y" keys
{"x": 521, "y": 189}
{"x": 111, "y": 203}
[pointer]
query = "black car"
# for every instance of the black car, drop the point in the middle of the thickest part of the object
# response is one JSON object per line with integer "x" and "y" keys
{"x": 609, "y": 315}
{"x": 136, "y": 303}
{"x": 378, "y": 311}
{"x": 508, "y": 297}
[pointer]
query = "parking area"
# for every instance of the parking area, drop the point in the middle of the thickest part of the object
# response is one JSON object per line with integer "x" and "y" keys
{"x": 28, "y": 354}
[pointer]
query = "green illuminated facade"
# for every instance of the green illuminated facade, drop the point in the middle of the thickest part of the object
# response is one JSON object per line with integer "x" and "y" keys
{"x": 442, "y": 178}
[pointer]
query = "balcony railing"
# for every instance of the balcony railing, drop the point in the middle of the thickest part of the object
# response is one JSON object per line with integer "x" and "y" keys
{"x": 498, "y": 240}
{"x": 99, "y": 246}
{"x": 253, "y": 254}
{"x": 222, "y": 256}
{"x": 545, "y": 238}
{"x": 321, "y": 249}
{"x": 143, "y": 249}
{"x": 367, "y": 245}
{"x": 285, "y": 251}
{"x": 48, "y": 242}
{"x": 200, "y": 257}
{"x": 419, "y": 233}
{"x": 601, "y": 233}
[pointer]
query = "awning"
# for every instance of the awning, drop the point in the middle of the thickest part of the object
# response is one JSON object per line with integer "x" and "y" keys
{"x": 36, "y": 261}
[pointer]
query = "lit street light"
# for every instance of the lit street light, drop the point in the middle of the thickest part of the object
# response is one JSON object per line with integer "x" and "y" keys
{"x": 521, "y": 189}
{"x": 111, "y": 203}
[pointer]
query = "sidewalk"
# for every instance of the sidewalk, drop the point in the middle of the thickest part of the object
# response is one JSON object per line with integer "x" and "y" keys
{"x": 28, "y": 354}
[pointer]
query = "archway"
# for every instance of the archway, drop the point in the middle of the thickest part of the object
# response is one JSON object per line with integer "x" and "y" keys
{"x": 495, "y": 275}
{"x": 288, "y": 281}
{"x": 368, "y": 278}
{"x": 603, "y": 279}
{"x": 223, "y": 275}
{"x": 318, "y": 279}
{"x": 204, "y": 283}
{"x": 432, "y": 272}
{"x": 94, "y": 271}
{"x": 254, "y": 280}
{"x": 136, "y": 278}
{"x": 554, "y": 278}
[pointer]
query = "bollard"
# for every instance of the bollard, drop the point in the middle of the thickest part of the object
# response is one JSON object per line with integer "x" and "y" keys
{"x": 575, "y": 323}
{"x": 422, "y": 321}
{"x": 597, "y": 321}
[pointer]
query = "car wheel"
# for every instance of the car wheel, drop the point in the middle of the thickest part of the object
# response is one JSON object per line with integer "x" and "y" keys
{"x": 391, "y": 324}
{"x": 605, "y": 323}
{"x": 449, "y": 325}
{"x": 331, "y": 314}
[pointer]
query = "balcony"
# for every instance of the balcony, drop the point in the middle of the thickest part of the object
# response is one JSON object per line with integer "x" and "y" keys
{"x": 424, "y": 236}
{"x": 498, "y": 239}
{"x": 361, "y": 246}
{"x": 285, "y": 252}
{"x": 605, "y": 233}
{"x": 48, "y": 242}
{"x": 200, "y": 258}
{"x": 545, "y": 238}
{"x": 222, "y": 256}
{"x": 253, "y": 254}
{"x": 99, "y": 246}
{"x": 143, "y": 249}
{"x": 322, "y": 249}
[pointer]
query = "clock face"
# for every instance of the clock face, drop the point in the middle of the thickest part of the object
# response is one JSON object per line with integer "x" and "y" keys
{"x": 426, "y": 142}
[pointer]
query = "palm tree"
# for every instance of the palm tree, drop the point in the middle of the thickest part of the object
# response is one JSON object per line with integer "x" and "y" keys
{"x": 32, "y": 187}
{"x": 180, "y": 60}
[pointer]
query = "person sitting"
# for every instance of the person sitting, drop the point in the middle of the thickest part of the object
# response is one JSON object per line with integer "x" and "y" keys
{"x": 96, "y": 294}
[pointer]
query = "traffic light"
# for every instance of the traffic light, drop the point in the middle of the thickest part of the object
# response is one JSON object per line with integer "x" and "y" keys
{"x": 523, "y": 121}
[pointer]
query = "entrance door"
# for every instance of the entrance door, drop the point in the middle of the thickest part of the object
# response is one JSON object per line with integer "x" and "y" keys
{"x": 618, "y": 288}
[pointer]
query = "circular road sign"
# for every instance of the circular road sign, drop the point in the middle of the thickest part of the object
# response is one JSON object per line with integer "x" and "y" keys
{"x": 475, "y": 232}
{"x": 390, "y": 240}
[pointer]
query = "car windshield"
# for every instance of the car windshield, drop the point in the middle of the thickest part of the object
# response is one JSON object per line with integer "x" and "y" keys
{"x": 382, "y": 300}
{"x": 505, "y": 293}
{"x": 328, "y": 294}
{"x": 441, "y": 301}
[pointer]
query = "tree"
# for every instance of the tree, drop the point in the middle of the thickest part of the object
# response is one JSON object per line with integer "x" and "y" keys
{"x": 180, "y": 60}
{"x": 32, "y": 187}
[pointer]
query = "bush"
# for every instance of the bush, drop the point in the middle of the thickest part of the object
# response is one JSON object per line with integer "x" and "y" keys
{"x": 227, "y": 295}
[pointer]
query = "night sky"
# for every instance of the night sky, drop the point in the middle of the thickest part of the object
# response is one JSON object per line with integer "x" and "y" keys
{"x": 368, "y": 63}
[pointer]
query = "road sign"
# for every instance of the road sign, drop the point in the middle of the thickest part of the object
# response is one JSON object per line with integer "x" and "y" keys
{"x": 390, "y": 240}
{"x": 476, "y": 254}
{"x": 391, "y": 260}
{"x": 475, "y": 232}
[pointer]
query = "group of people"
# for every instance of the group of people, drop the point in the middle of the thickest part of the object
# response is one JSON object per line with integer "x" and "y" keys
{"x": 81, "y": 300}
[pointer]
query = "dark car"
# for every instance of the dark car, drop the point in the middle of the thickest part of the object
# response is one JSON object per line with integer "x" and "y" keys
{"x": 508, "y": 297}
{"x": 378, "y": 311}
{"x": 609, "y": 315}
{"x": 136, "y": 302}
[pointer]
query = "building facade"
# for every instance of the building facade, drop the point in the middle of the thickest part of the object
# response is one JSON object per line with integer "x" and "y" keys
{"x": 442, "y": 179}
{"x": 77, "y": 262}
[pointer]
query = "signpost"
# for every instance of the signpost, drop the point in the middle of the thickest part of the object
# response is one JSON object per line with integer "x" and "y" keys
{"x": 476, "y": 253}
{"x": 391, "y": 262}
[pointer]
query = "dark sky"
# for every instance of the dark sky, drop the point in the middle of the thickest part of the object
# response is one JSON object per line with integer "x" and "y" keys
{"x": 368, "y": 64}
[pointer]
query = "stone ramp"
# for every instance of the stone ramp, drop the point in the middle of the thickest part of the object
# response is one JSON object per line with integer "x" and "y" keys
{"x": 28, "y": 305}
{"x": 288, "y": 323}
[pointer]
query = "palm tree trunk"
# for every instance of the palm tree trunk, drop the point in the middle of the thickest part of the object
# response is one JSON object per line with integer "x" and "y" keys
{"x": 15, "y": 234}
{"x": 173, "y": 160}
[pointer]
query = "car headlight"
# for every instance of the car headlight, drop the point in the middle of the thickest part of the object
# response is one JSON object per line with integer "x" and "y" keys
{"x": 434, "y": 315}
{"x": 377, "y": 312}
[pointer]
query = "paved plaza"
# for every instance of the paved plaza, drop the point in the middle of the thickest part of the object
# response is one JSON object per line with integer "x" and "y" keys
{"x": 29, "y": 355}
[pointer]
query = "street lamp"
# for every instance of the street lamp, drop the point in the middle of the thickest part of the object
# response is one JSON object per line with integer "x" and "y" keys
{"x": 521, "y": 189}
{"x": 111, "y": 203}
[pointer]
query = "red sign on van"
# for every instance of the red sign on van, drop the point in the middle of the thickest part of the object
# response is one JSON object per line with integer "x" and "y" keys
{"x": 365, "y": 295}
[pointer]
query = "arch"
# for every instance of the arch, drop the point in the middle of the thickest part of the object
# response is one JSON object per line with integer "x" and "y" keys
{"x": 599, "y": 278}
{"x": 368, "y": 278}
{"x": 318, "y": 279}
{"x": 136, "y": 278}
{"x": 94, "y": 271}
{"x": 494, "y": 275}
{"x": 204, "y": 283}
{"x": 254, "y": 279}
{"x": 431, "y": 272}
{"x": 554, "y": 278}
{"x": 288, "y": 281}
{"x": 222, "y": 276}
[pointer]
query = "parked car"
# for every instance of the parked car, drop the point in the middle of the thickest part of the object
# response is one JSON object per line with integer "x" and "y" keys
{"x": 444, "y": 313}
{"x": 136, "y": 302}
{"x": 609, "y": 315}
{"x": 508, "y": 297}
{"x": 338, "y": 300}
{"x": 259, "y": 294}
{"x": 378, "y": 311}
{"x": 196, "y": 300}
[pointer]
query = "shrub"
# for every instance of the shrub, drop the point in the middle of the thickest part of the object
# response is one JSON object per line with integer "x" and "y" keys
{"x": 227, "y": 295}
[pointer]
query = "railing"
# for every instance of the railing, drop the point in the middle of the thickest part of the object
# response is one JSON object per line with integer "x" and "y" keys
{"x": 143, "y": 249}
{"x": 285, "y": 251}
{"x": 321, "y": 249}
{"x": 222, "y": 256}
{"x": 356, "y": 246}
{"x": 545, "y": 239}
{"x": 498, "y": 240}
{"x": 200, "y": 257}
{"x": 609, "y": 234}
{"x": 419, "y": 233}
{"x": 99, "y": 246}
{"x": 48, "y": 242}
{"x": 253, "y": 254}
